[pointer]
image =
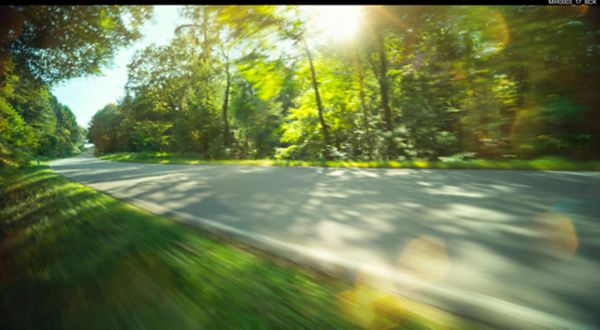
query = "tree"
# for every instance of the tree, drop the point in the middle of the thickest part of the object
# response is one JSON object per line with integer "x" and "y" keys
{"x": 16, "y": 138}
{"x": 103, "y": 131}
{"x": 43, "y": 45}
{"x": 417, "y": 82}
{"x": 227, "y": 27}
{"x": 60, "y": 42}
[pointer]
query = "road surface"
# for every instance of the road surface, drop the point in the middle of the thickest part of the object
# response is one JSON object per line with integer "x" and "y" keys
{"x": 509, "y": 248}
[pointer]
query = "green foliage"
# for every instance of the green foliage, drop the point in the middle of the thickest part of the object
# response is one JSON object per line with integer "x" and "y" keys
{"x": 42, "y": 45}
{"x": 56, "y": 43}
{"x": 256, "y": 121}
{"x": 288, "y": 157}
{"x": 151, "y": 136}
{"x": 267, "y": 78}
{"x": 34, "y": 123}
{"x": 491, "y": 81}
{"x": 104, "y": 129}
{"x": 16, "y": 137}
{"x": 286, "y": 153}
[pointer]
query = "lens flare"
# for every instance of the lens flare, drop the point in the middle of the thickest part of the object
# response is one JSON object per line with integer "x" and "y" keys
{"x": 492, "y": 25}
{"x": 557, "y": 232}
{"x": 426, "y": 260}
{"x": 374, "y": 303}
{"x": 337, "y": 22}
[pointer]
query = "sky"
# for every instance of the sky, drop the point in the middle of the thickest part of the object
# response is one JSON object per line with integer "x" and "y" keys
{"x": 85, "y": 96}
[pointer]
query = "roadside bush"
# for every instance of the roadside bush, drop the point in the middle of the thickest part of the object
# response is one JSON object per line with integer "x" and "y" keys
{"x": 16, "y": 139}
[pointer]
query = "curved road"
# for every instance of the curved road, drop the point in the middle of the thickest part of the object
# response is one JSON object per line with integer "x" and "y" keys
{"x": 509, "y": 248}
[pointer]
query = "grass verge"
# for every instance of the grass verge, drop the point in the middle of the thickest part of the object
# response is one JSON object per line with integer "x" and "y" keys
{"x": 547, "y": 163}
{"x": 71, "y": 257}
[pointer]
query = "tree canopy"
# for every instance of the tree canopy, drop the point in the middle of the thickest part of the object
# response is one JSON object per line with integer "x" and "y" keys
{"x": 60, "y": 42}
{"x": 412, "y": 82}
{"x": 293, "y": 82}
{"x": 44, "y": 45}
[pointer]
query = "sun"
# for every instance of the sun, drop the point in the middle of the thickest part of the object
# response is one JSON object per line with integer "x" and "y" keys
{"x": 337, "y": 22}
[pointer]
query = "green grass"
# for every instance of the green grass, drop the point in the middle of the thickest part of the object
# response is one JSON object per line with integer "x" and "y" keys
{"x": 71, "y": 257}
{"x": 546, "y": 163}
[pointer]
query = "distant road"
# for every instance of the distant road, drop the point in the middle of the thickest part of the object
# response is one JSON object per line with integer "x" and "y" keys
{"x": 510, "y": 248}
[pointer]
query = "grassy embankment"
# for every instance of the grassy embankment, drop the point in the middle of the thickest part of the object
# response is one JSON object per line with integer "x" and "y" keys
{"x": 547, "y": 163}
{"x": 71, "y": 257}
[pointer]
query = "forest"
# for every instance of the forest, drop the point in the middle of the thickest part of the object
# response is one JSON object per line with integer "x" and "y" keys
{"x": 412, "y": 82}
{"x": 44, "y": 45}
{"x": 286, "y": 82}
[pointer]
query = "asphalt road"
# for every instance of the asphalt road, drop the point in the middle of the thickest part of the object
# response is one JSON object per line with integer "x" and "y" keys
{"x": 510, "y": 248}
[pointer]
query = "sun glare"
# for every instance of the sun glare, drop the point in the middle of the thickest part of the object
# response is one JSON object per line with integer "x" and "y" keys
{"x": 337, "y": 22}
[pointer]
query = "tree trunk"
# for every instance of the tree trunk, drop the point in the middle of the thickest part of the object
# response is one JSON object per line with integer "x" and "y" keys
{"x": 226, "y": 134}
{"x": 206, "y": 51}
{"x": 385, "y": 95}
{"x": 205, "y": 42}
{"x": 324, "y": 128}
{"x": 384, "y": 85}
{"x": 365, "y": 109}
